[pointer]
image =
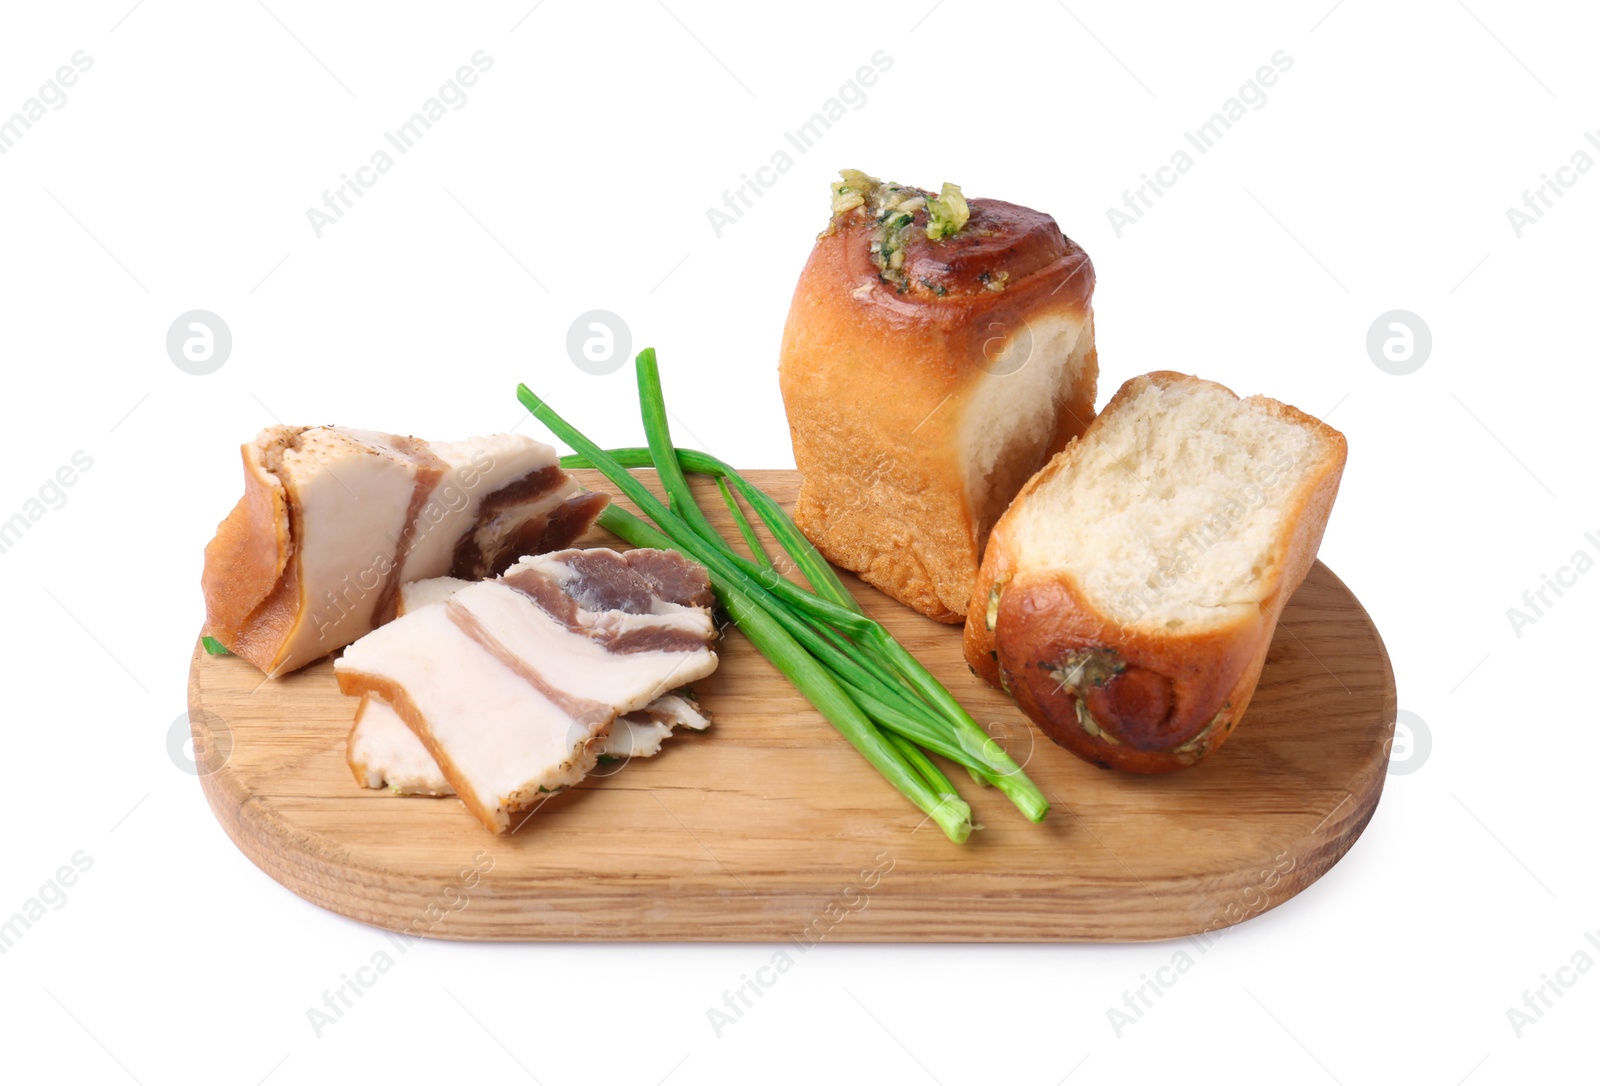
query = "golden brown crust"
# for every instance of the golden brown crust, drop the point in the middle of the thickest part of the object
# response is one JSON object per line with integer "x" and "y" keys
{"x": 1151, "y": 701}
{"x": 356, "y": 766}
{"x": 875, "y": 380}
{"x": 247, "y": 568}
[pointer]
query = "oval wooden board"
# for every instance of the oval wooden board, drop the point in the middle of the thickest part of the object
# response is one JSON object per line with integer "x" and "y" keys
{"x": 771, "y": 827}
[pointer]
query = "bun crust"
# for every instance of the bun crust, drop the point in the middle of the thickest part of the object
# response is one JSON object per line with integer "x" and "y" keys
{"x": 1120, "y": 694}
{"x": 919, "y": 406}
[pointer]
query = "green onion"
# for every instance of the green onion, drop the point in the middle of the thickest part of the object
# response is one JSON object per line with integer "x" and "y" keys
{"x": 215, "y": 647}
{"x": 947, "y": 212}
{"x": 749, "y": 533}
{"x": 1002, "y": 770}
{"x": 864, "y": 682}
{"x": 812, "y": 565}
{"x": 800, "y": 668}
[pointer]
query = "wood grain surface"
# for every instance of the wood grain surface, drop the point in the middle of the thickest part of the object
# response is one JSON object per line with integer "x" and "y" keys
{"x": 771, "y": 827}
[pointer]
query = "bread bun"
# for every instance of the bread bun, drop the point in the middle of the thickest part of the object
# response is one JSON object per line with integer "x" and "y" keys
{"x": 1129, "y": 595}
{"x": 926, "y": 378}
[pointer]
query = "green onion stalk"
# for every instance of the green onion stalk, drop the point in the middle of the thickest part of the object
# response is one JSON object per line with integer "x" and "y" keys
{"x": 863, "y": 681}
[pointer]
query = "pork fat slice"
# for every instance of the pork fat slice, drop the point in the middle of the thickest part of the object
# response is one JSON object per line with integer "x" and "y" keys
{"x": 513, "y": 686}
{"x": 384, "y": 753}
{"x": 333, "y": 521}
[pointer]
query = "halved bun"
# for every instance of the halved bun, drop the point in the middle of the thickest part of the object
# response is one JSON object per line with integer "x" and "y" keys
{"x": 1130, "y": 593}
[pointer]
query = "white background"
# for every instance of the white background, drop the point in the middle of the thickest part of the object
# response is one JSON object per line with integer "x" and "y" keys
{"x": 577, "y": 176}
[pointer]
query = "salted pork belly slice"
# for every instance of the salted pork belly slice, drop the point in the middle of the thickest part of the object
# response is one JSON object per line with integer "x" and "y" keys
{"x": 432, "y": 590}
{"x": 639, "y": 734}
{"x": 513, "y": 686}
{"x": 383, "y": 752}
{"x": 334, "y": 520}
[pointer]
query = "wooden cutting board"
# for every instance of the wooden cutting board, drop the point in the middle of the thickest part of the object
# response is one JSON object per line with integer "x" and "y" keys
{"x": 771, "y": 827}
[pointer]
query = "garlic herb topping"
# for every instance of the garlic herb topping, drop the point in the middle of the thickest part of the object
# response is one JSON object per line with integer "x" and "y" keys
{"x": 892, "y": 209}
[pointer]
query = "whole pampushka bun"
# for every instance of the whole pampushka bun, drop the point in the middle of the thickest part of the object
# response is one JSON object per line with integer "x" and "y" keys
{"x": 938, "y": 352}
